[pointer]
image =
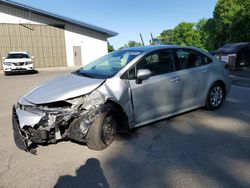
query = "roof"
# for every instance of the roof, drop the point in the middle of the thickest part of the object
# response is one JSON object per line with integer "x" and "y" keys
{"x": 150, "y": 47}
{"x": 59, "y": 18}
{"x": 158, "y": 47}
{"x": 232, "y": 48}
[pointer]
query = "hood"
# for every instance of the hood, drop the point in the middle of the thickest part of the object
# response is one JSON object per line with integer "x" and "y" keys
{"x": 17, "y": 60}
{"x": 62, "y": 88}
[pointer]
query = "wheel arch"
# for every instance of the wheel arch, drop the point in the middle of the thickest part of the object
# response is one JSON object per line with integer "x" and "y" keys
{"x": 219, "y": 81}
{"x": 122, "y": 116}
{"x": 223, "y": 86}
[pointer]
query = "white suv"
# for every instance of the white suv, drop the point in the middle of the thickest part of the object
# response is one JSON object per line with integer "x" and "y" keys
{"x": 17, "y": 62}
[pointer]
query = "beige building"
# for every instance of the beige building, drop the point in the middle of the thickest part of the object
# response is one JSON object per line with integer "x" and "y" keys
{"x": 53, "y": 40}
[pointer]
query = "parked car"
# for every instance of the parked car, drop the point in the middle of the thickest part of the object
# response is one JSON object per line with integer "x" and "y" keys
{"x": 124, "y": 89}
{"x": 17, "y": 62}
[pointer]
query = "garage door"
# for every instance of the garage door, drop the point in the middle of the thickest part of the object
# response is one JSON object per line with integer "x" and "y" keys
{"x": 45, "y": 43}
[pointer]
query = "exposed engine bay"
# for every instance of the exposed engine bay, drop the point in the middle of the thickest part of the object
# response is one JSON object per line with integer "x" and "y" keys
{"x": 49, "y": 123}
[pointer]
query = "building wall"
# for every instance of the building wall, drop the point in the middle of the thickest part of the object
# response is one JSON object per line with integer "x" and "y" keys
{"x": 91, "y": 48}
{"x": 45, "y": 43}
{"x": 93, "y": 44}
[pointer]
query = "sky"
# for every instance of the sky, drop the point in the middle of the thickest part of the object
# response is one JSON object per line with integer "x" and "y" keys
{"x": 129, "y": 18}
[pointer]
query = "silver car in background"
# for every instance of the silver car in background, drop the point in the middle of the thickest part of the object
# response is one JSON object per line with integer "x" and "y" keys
{"x": 124, "y": 89}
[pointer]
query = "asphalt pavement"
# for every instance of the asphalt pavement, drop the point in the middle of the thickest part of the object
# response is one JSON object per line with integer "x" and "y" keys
{"x": 195, "y": 149}
{"x": 241, "y": 78}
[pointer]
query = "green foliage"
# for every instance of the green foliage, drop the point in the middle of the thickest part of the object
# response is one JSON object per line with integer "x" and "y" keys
{"x": 240, "y": 28}
{"x": 202, "y": 29}
{"x": 224, "y": 17}
{"x": 230, "y": 23}
{"x": 131, "y": 44}
{"x": 185, "y": 34}
{"x": 110, "y": 48}
{"x": 166, "y": 36}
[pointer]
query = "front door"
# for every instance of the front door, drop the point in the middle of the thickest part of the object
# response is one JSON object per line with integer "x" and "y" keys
{"x": 159, "y": 95}
{"x": 77, "y": 52}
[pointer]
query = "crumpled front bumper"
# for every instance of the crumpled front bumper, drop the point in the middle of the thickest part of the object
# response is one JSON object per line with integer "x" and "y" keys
{"x": 35, "y": 125}
{"x": 17, "y": 132}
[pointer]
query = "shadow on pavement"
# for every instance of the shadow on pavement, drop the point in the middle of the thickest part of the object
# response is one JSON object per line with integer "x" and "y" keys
{"x": 89, "y": 175}
{"x": 191, "y": 150}
{"x": 241, "y": 78}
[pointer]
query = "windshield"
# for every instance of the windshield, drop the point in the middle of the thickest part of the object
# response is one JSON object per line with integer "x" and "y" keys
{"x": 17, "y": 56}
{"x": 108, "y": 65}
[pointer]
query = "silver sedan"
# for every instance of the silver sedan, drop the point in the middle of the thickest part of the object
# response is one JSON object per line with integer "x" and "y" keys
{"x": 122, "y": 90}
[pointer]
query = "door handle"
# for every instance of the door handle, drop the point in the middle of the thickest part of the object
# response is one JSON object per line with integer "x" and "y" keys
{"x": 204, "y": 71}
{"x": 175, "y": 79}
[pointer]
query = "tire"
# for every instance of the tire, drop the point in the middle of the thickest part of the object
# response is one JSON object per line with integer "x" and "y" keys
{"x": 216, "y": 96}
{"x": 102, "y": 132}
{"x": 5, "y": 74}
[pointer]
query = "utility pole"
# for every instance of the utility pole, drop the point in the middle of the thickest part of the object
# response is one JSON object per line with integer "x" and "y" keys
{"x": 152, "y": 38}
{"x": 142, "y": 40}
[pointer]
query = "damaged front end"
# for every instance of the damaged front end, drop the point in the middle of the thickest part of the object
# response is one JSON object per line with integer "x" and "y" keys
{"x": 35, "y": 124}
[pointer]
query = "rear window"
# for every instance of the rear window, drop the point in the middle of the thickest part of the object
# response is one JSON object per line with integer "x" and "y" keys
{"x": 190, "y": 58}
{"x": 17, "y": 56}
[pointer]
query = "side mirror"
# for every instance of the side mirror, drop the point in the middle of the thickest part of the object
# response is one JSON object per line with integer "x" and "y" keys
{"x": 3, "y": 58}
{"x": 142, "y": 74}
{"x": 32, "y": 57}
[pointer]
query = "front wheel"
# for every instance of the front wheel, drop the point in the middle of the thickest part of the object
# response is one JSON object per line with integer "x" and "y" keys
{"x": 102, "y": 132}
{"x": 215, "y": 97}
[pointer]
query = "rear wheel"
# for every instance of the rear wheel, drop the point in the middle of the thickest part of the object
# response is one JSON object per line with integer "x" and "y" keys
{"x": 215, "y": 97}
{"x": 102, "y": 132}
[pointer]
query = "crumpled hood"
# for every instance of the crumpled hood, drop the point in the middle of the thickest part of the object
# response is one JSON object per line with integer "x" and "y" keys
{"x": 62, "y": 88}
{"x": 17, "y": 60}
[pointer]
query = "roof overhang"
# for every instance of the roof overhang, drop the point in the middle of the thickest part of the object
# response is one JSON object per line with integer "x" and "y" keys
{"x": 232, "y": 48}
{"x": 63, "y": 19}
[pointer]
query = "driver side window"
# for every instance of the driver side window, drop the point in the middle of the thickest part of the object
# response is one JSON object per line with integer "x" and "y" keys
{"x": 159, "y": 62}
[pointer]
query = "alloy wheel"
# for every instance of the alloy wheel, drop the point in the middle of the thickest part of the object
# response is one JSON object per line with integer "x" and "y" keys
{"x": 216, "y": 96}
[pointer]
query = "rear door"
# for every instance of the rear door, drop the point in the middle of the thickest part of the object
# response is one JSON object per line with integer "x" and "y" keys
{"x": 193, "y": 73}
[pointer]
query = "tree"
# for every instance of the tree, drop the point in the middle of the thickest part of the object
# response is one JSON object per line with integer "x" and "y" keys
{"x": 202, "y": 28}
{"x": 134, "y": 43}
{"x": 130, "y": 44}
{"x": 209, "y": 28}
{"x": 186, "y": 34}
{"x": 166, "y": 36}
{"x": 110, "y": 48}
{"x": 224, "y": 15}
{"x": 231, "y": 21}
{"x": 240, "y": 28}
{"x": 230, "y": 24}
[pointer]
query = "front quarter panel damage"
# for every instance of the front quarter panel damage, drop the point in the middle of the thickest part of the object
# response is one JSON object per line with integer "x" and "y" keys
{"x": 118, "y": 90}
{"x": 51, "y": 122}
